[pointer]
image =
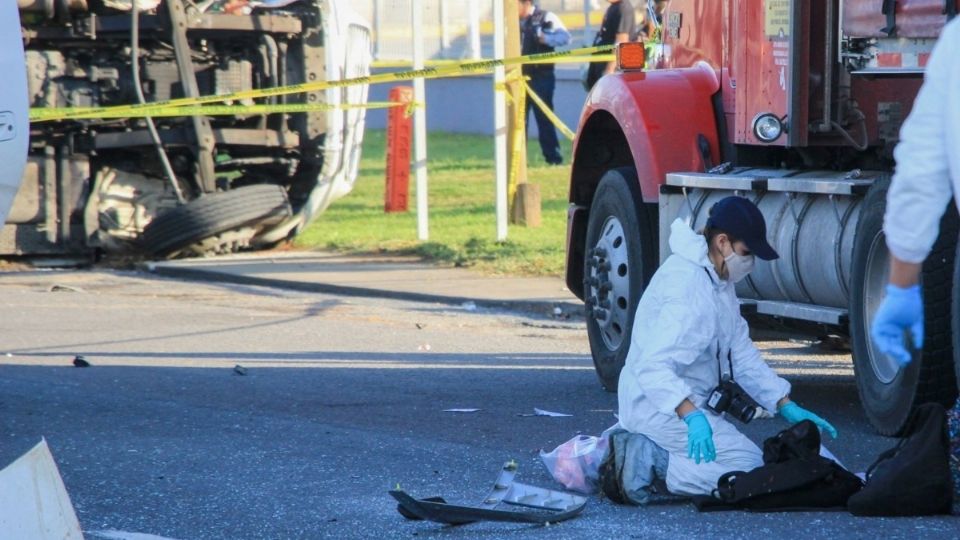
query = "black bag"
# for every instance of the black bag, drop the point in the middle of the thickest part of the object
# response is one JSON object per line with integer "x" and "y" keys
{"x": 912, "y": 478}
{"x": 794, "y": 477}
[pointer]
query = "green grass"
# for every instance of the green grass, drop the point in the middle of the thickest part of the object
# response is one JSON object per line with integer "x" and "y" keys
{"x": 462, "y": 215}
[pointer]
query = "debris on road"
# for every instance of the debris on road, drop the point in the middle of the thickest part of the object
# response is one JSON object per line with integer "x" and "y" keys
{"x": 541, "y": 412}
{"x": 80, "y": 361}
{"x": 424, "y": 347}
{"x": 540, "y": 505}
{"x": 461, "y": 410}
{"x": 64, "y": 288}
{"x": 469, "y": 306}
{"x": 239, "y": 370}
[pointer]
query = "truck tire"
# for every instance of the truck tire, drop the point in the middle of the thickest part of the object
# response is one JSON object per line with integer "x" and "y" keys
{"x": 214, "y": 214}
{"x": 890, "y": 394}
{"x": 620, "y": 258}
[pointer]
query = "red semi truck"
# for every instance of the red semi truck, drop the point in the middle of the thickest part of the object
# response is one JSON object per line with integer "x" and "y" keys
{"x": 797, "y": 105}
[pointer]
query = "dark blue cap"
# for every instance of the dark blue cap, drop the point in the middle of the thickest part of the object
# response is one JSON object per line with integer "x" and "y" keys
{"x": 742, "y": 220}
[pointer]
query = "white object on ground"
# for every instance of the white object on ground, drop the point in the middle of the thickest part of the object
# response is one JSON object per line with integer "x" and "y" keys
{"x": 829, "y": 455}
{"x": 461, "y": 410}
{"x": 33, "y": 500}
{"x": 541, "y": 412}
{"x": 124, "y": 535}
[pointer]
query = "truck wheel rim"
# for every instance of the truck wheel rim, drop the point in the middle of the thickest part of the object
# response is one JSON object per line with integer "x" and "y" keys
{"x": 610, "y": 283}
{"x": 885, "y": 368}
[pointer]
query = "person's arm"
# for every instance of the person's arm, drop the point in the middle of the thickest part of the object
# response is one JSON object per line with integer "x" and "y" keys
{"x": 919, "y": 194}
{"x": 627, "y": 28}
{"x": 921, "y": 187}
{"x": 753, "y": 373}
{"x": 904, "y": 274}
{"x": 557, "y": 35}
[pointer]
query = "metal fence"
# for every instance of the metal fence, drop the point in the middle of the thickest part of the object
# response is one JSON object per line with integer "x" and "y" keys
{"x": 456, "y": 29}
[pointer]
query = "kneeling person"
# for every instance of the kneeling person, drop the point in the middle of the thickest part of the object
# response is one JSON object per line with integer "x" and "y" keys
{"x": 689, "y": 340}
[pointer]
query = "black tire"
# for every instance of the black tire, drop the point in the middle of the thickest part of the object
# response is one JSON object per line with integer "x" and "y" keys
{"x": 214, "y": 214}
{"x": 615, "y": 279}
{"x": 890, "y": 395}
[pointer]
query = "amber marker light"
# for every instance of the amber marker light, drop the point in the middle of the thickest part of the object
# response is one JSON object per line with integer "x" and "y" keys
{"x": 631, "y": 56}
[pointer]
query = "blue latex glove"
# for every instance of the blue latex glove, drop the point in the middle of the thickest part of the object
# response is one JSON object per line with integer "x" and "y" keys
{"x": 901, "y": 309}
{"x": 793, "y": 413}
{"x": 699, "y": 438}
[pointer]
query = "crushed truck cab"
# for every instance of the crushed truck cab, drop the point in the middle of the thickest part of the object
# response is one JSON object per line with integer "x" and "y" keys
{"x": 797, "y": 106}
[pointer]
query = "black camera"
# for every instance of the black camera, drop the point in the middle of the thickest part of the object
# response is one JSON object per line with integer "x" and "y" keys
{"x": 730, "y": 397}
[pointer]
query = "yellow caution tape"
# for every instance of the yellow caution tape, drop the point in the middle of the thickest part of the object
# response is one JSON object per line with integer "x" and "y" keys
{"x": 51, "y": 114}
{"x": 434, "y": 72}
{"x": 554, "y": 119}
{"x": 386, "y": 64}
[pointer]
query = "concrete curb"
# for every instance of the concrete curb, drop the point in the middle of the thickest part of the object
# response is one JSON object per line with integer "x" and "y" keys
{"x": 543, "y": 308}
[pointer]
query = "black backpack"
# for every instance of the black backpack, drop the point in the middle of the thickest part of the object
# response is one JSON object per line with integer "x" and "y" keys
{"x": 913, "y": 477}
{"x": 794, "y": 476}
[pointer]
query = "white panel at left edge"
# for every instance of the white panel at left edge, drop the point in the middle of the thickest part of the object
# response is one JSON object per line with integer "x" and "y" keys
{"x": 34, "y": 504}
{"x": 14, "y": 122}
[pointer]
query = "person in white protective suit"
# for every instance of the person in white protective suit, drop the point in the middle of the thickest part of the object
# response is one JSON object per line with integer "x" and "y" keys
{"x": 687, "y": 334}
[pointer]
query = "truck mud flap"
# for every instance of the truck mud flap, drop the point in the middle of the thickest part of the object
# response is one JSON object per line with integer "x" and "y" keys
{"x": 540, "y": 505}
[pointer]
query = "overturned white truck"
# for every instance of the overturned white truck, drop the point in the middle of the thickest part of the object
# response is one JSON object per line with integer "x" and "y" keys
{"x": 192, "y": 184}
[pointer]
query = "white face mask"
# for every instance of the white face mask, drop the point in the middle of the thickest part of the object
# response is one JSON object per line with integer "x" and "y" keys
{"x": 738, "y": 266}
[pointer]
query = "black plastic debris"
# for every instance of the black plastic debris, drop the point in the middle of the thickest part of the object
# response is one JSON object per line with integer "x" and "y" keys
{"x": 508, "y": 501}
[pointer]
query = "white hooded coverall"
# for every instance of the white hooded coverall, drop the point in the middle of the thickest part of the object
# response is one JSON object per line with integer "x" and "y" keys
{"x": 687, "y": 313}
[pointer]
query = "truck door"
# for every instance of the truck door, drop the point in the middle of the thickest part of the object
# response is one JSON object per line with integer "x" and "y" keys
{"x": 767, "y": 53}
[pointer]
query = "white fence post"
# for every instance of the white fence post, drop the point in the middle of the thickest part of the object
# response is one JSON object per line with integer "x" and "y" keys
{"x": 500, "y": 118}
{"x": 473, "y": 16}
{"x": 420, "y": 124}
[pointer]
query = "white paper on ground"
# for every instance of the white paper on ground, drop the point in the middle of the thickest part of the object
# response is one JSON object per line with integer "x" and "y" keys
{"x": 33, "y": 500}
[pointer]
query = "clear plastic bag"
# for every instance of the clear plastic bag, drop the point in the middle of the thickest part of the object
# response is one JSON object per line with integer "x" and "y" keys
{"x": 576, "y": 463}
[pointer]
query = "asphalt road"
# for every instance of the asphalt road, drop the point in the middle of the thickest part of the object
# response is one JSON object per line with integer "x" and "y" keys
{"x": 342, "y": 399}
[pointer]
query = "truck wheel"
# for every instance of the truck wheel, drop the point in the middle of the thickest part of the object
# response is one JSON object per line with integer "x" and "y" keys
{"x": 621, "y": 256}
{"x": 889, "y": 394}
{"x": 212, "y": 215}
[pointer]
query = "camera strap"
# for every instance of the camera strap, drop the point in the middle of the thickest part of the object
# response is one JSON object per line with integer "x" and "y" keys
{"x": 720, "y": 364}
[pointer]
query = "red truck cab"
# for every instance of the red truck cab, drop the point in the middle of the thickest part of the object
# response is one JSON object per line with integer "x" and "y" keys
{"x": 796, "y": 105}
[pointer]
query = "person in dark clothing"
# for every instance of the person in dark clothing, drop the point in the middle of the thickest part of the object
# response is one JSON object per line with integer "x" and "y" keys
{"x": 619, "y": 25}
{"x": 540, "y": 32}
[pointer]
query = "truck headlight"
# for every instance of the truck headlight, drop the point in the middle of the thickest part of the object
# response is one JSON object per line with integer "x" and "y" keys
{"x": 767, "y": 127}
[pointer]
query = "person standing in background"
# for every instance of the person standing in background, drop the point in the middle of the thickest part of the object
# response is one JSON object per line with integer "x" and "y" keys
{"x": 541, "y": 32}
{"x": 619, "y": 26}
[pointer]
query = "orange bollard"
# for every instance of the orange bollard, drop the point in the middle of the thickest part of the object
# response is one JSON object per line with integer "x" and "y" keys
{"x": 399, "y": 141}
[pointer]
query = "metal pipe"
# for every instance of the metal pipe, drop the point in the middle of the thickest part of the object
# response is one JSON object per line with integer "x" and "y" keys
{"x": 135, "y": 65}
{"x": 270, "y": 53}
{"x": 826, "y": 125}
